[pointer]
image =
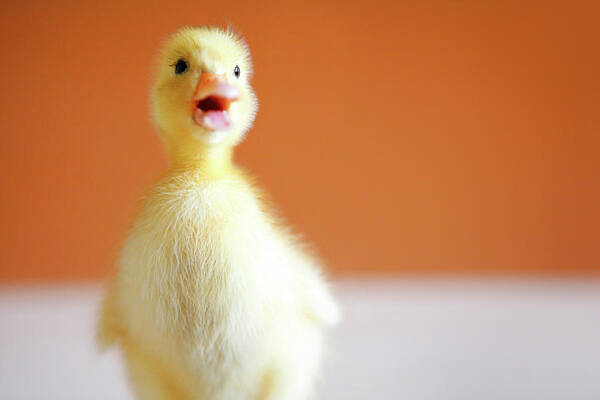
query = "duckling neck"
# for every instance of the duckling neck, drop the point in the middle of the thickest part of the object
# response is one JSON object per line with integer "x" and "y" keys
{"x": 210, "y": 160}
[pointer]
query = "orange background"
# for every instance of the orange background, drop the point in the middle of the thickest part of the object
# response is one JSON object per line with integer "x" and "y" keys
{"x": 405, "y": 137}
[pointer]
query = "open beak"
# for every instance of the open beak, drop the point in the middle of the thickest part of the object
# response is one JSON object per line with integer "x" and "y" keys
{"x": 211, "y": 102}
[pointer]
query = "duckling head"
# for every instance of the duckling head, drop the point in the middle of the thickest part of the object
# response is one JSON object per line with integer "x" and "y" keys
{"x": 201, "y": 98}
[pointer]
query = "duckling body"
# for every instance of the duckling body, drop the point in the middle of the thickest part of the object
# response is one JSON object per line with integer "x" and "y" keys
{"x": 213, "y": 298}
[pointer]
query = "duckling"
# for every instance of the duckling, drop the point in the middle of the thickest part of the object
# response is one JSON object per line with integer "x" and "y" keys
{"x": 213, "y": 297}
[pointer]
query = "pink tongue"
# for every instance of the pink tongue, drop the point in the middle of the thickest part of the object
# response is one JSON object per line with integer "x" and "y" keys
{"x": 214, "y": 120}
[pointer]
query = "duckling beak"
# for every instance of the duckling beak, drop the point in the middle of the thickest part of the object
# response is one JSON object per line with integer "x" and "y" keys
{"x": 212, "y": 98}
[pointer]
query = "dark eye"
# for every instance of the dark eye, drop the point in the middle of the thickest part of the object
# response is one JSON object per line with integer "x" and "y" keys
{"x": 181, "y": 66}
{"x": 236, "y": 71}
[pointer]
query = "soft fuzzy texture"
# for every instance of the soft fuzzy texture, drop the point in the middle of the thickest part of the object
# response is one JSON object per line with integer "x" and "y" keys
{"x": 213, "y": 298}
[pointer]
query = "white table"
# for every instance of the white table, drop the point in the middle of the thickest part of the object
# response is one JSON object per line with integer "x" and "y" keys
{"x": 400, "y": 339}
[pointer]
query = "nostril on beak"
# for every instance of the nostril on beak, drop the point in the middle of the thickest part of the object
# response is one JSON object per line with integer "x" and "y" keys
{"x": 215, "y": 85}
{"x": 206, "y": 78}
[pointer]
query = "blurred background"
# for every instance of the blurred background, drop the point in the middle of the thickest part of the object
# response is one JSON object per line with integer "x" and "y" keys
{"x": 426, "y": 142}
{"x": 404, "y": 137}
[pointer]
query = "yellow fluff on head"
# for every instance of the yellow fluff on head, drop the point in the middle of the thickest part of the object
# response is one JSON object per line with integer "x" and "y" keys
{"x": 213, "y": 298}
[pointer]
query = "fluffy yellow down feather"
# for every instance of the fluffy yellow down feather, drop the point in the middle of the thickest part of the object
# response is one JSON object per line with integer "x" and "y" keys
{"x": 213, "y": 298}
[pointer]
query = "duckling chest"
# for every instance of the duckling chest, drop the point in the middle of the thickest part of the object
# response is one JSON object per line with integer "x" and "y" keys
{"x": 206, "y": 265}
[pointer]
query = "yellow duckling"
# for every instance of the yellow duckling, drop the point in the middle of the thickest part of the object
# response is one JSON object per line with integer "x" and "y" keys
{"x": 213, "y": 299}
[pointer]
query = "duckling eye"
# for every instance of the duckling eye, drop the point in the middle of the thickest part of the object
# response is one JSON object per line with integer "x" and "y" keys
{"x": 236, "y": 71}
{"x": 181, "y": 66}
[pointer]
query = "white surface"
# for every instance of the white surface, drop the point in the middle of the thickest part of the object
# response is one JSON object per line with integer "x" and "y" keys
{"x": 416, "y": 340}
